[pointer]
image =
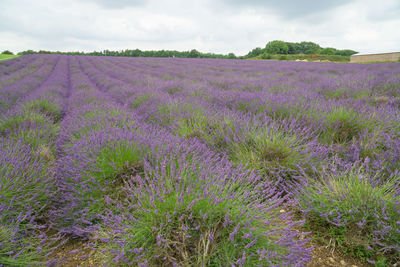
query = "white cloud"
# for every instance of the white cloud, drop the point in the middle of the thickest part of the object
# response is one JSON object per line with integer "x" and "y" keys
{"x": 210, "y": 26}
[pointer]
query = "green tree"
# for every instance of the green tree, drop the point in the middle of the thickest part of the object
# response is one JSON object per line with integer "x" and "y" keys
{"x": 346, "y": 52}
{"x": 194, "y": 53}
{"x": 266, "y": 56}
{"x": 293, "y": 48}
{"x": 231, "y": 56}
{"x": 327, "y": 51}
{"x": 7, "y": 52}
{"x": 255, "y": 52}
{"x": 309, "y": 48}
{"x": 276, "y": 47}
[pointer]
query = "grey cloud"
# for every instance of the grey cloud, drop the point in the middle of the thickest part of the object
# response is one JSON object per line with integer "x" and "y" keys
{"x": 118, "y": 4}
{"x": 385, "y": 14}
{"x": 288, "y": 8}
{"x": 211, "y": 26}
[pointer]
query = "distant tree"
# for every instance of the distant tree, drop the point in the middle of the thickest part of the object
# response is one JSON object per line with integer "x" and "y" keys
{"x": 346, "y": 52}
{"x": 266, "y": 56}
{"x": 44, "y": 52}
{"x": 255, "y": 52}
{"x": 327, "y": 51}
{"x": 309, "y": 48}
{"x": 293, "y": 48}
{"x": 194, "y": 53}
{"x": 7, "y": 52}
{"x": 231, "y": 56}
{"x": 27, "y": 52}
{"x": 276, "y": 47}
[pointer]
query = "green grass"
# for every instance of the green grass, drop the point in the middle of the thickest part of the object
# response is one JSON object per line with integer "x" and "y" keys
{"x": 6, "y": 56}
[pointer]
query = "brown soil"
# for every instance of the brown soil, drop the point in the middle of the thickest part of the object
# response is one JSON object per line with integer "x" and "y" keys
{"x": 328, "y": 256}
{"x": 78, "y": 253}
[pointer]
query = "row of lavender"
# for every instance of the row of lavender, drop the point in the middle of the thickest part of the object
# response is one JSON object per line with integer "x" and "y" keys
{"x": 334, "y": 130}
{"x": 28, "y": 132}
{"x": 151, "y": 197}
{"x": 76, "y": 161}
{"x": 191, "y": 161}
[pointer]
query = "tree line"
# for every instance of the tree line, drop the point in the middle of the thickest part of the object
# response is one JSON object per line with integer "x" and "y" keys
{"x": 289, "y": 48}
{"x": 139, "y": 53}
{"x": 272, "y": 48}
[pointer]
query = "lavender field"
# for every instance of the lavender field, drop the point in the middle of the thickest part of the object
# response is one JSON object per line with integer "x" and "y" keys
{"x": 197, "y": 162}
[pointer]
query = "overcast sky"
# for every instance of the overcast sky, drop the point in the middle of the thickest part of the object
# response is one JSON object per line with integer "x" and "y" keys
{"x": 219, "y": 26}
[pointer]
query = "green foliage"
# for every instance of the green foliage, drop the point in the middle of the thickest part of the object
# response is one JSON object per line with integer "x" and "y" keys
{"x": 25, "y": 195}
{"x": 27, "y": 246}
{"x": 138, "y": 101}
{"x": 308, "y": 48}
{"x": 265, "y": 148}
{"x": 345, "y": 52}
{"x": 115, "y": 164}
{"x": 194, "y": 53}
{"x": 180, "y": 227}
{"x": 342, "y": 125}
{"x": 255, "y": 52}
{"x": 6, "y": 56}
{"x": 45, "y": 107}
{"x": 351, "y": 208}
{"x": 231, "y": 56}
{"x": 327, "y": 51}
{"x": 195, "y": 246}
{"x": 266, "y": 56}
{"x": 7, "y": 52}
{"x": 283, "y": 57}
{"x": 199, "y": 125}
{"x": 135, "y": 53}
{"x": 32, "y": 127}
{"x": 118, "y": 161}
{"x": 276, "y": 47}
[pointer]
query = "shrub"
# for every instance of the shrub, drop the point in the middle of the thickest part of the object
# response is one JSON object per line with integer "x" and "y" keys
{"x": 266, "y": 149}
{"x": 25, "y": 194}
{"x": 276, "y": 47}
{"x": 180, "y": 213}
{"x": 100, "y": 173}
{"x": 359, "y": 212}
{"x": 266, "y": 56}
{"x": 32, "y": 127}
{"x": 17, "y": 249}
{"x": 283, "y": 57}
{"x": 342, "y": 125}
{"x": 45, "y": 107}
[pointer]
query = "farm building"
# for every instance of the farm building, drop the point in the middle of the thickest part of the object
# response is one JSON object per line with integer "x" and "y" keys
{"x": 395, "y": 56}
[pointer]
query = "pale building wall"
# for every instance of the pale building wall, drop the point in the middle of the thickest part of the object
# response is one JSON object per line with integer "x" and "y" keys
{"x": 375, "y": 57}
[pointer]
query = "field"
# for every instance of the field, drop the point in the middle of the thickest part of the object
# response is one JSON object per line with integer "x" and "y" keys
{"x": 197, "y": 162}
{"x": 6, "y": 56}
